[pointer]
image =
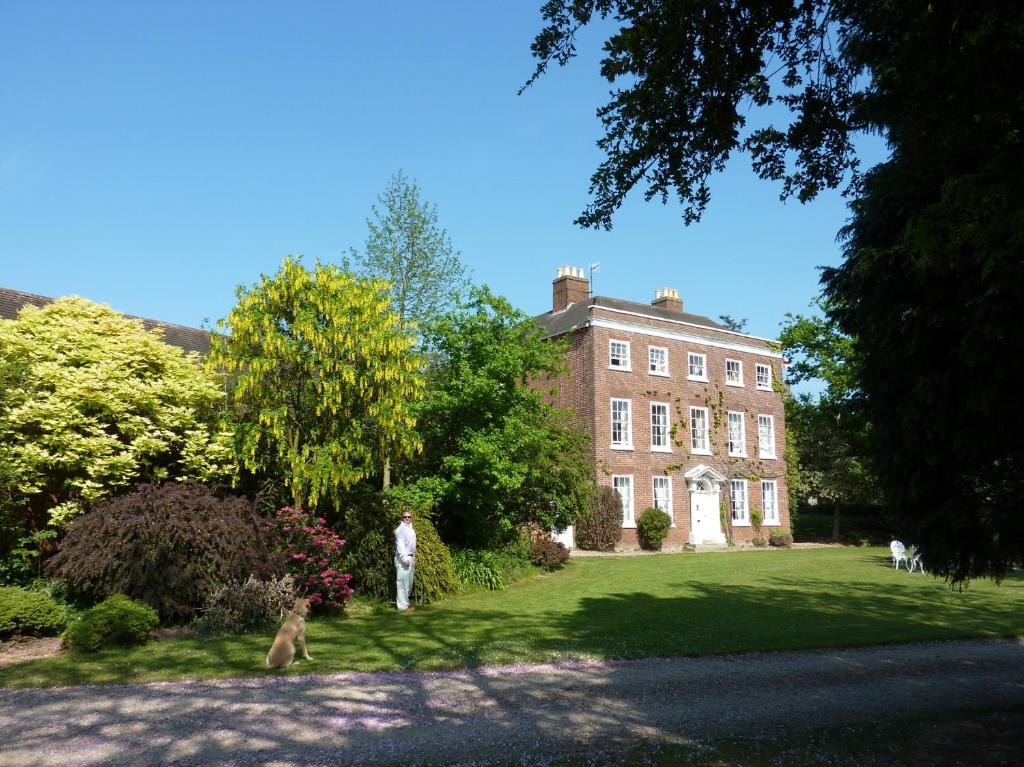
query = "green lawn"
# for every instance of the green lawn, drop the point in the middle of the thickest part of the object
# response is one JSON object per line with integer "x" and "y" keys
{"x": 615, "y": 607}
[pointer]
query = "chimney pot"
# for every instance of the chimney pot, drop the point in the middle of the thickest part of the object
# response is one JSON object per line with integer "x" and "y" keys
{"x": 569, "y": 287}
{"x": 668, "y": 298}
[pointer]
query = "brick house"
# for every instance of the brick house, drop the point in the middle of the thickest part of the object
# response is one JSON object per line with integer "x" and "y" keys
{"x": 683, "y": 414}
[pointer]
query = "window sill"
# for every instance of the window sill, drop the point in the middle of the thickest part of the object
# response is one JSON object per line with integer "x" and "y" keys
{"x": 697, "y": 378}
{"x": 740, "y": 524}
{"x": 622, "y": 447}
{"x": 736, "y": 385}
{"x": 659, "y": 375}
{"x": 629, "y": 525}
{"x": 660, "y": 449}
{"x": 699, "y": 452}
{"x": 766, "y": 523}
{"x": 766, "y": 457}
{"x": 737, "y": 455}
{"x": 765, "y": 388}
{"x": 620, "y": 368}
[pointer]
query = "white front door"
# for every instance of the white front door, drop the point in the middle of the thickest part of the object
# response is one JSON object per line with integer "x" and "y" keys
{"x": 705, "y": 522}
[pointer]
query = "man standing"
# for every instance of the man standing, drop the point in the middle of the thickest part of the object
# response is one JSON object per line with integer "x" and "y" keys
{"x": 405, "y": 560}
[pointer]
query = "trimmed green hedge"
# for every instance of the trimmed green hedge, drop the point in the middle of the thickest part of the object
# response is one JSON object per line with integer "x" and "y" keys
{"x": 652, "y": 527}
{"x": 29, "y": 613}
{"x": 116, "y": 620}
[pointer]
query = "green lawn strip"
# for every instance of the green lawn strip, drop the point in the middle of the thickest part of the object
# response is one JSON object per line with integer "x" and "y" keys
{"x": 602, "y": 608}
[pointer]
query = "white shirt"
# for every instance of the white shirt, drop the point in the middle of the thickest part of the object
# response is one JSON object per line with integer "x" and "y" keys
{"x": 405, "y": 540}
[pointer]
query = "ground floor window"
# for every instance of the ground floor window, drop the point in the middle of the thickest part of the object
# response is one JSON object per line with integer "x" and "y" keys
{"x": 623, "y": 483}
{"x": 769, "y": 498}
{"x": 738, "y": 491}
{"x": 663, "y": 496}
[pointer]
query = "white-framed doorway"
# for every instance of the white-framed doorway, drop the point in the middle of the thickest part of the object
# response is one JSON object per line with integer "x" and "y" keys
{"x": 705, "y": 487}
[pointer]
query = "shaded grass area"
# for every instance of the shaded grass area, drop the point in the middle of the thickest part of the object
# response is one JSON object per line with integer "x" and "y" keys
{"x": 969, "y": 738}
{"x": 855, "y": 527}
{"x": 601, "y": 608}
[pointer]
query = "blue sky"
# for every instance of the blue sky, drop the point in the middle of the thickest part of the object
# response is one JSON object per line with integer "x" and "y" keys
{"x": 155, "y": 155}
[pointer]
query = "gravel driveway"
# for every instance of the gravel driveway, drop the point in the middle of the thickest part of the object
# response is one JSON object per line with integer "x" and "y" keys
{"x": 499, "y": 713}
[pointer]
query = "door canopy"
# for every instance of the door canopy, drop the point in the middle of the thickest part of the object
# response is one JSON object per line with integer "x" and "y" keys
{"x": 703, "y": 479}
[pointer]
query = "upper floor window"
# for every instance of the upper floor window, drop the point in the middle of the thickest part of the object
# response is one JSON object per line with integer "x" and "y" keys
{"x": 737, "y": 434}
{"x": 770, "y": 501}
{"x": 657, "y": 360}
{"x": 698, "y": 366}
{"x": 663, "y": 495}
{"x": 618, "y": 355}
{"x": 699, "y": 442}
{"x": 659, "y": 427}
{"x": 764, "y": 376}
{"x": 734, "y": 373}
{"x": 766, "y": 436}
{"x": 623, "y": 484}
{"x": 738, "y": 492}
{"x": 622, "y": 423}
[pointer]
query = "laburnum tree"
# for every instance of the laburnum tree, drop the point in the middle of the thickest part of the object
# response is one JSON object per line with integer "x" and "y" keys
{"x": 322, "y": 379}
{"x": 497, "y": 455}
{"x": 933, "y": 271}
{"x": 90, "y": 403}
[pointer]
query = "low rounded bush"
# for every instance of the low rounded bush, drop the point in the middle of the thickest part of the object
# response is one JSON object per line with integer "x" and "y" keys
{"x": 370, "y": 554}
{"x": 601, "y": 528}
{"x": 548, "y": 554}
{"x": 760, "y": 541}
{"x": 169, "y": 545}
{"x": 29, "y": 613}
{"x": 780, "y": 539}
{"x": 117, "y": 620}
{"x": 652, "y": 527}
{"x": 252, "y": 605}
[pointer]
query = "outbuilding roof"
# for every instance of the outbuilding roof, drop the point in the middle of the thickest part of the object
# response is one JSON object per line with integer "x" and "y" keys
{"x": 182, "y": 336}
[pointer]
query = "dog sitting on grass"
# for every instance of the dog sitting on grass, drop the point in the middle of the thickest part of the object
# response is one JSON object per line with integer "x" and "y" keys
{"x": 282, "y": 652}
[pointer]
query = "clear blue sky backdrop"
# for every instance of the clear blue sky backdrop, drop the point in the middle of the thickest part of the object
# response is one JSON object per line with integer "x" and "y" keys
{"x": 155, "y": 155}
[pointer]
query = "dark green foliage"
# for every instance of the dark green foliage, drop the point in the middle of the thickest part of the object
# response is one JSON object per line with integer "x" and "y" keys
{"x": 548, "y": 554}
{"x": 500, "y": 457}
{"x": 780, "y": 540}
{"x": 117, "y": 620}
{"x": 601, "y": 528}
{"x": 370, "y": 553}
{"x": 652, "y": 527}
{"x": 251, "y": 605}
{"x": 28, "y": 613}
{"x": 491, "y": 568}
{"x": 169, "y": 545}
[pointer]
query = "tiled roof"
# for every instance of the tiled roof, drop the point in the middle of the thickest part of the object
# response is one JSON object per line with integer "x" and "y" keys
{"x": 189, "y": 339}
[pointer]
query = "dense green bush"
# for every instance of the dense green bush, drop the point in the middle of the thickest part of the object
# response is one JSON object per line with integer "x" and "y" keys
{"x": 652, "y": 527}
{"x": 601, "y": 528}
{"x": 169, "y": 545}
{"x": 548, "y": 554}
{"x": 117, "y": 620}
{"x": 252, "y": 605}
{"x": 370, "y": 553}
{"x": 759, "y": 540}
{"x": 780, "y": 539}
{"x": 492, "y": 568}
{"x": 28, "y": 613}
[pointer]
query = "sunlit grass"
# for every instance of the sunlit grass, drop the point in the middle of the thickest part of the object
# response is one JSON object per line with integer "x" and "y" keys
{"x": 602, "y": 608}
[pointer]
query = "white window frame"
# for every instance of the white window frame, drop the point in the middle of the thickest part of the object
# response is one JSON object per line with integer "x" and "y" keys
{"x": 627, "y": 360}
{"x": 739, "y": 366}
{"x": 628, "y": 505}
{"x": 767, "y": 370}
{"x": 738, "y": 446}
{"x": 739, "y": 503}
{"x": 765, "y": 436}
{"x": 703, "y": 376}
{"x": 627, "y": 429}
{"x": 771, "y": 485}
{"x": 704, "y": 449}
{"x": 651, "y": 367}
{"x": 666, "y": 483}
{"x": 666, "y": 429}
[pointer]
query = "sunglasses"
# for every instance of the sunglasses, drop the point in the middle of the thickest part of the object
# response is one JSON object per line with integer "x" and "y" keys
{"x": 406, "y": 516}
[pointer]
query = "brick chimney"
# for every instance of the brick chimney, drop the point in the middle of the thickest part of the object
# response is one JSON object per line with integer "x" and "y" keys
{"x": 668, "y": 298}
{"x": 569, "y": 287}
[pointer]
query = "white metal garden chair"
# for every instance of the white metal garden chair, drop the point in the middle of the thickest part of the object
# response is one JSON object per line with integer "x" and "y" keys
{"x": 899, "y": 554}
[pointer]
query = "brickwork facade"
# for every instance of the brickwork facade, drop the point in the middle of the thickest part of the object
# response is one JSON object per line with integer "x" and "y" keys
{"x": 654, "y": 414}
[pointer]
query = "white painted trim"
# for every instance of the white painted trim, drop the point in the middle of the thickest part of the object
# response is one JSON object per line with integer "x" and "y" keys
{"x": 777, "y": 520}
{"x": 742, "y": 384}
{"x": 628, "y": 367}
{"x": 684, "y": 322}
{"x": 671, "y": 510}
{"x": 743, "y": 434}
{"x": 745, "y": 522}
{"x": 628, "y": 443}
{"x": 703, "y": 366}
{"x": 771, "y": 375}
{"x": 707, "y": 431}
{"x": 632, "y": 500}
{"x": 761, "y": 452}
{"x": 653, "y": 372}
{"x": 667, "y": 447}
{"x": 600, "y": 322}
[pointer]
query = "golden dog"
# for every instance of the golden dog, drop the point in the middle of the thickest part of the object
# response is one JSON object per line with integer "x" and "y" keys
{"x": 282, "y": 652}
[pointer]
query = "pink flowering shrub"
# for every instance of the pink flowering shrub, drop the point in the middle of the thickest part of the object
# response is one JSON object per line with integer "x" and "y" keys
{"x": 313, "y": 557}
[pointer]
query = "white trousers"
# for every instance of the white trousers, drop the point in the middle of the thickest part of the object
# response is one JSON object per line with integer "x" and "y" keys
{"x": 404, "y": 581}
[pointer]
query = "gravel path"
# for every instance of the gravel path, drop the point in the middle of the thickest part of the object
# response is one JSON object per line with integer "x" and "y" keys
{"x": 501, "y": 713}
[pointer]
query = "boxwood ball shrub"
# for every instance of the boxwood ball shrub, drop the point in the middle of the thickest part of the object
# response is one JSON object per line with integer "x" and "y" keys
{"x": 28, "y": 613}
{"x": 117, "y": 620}
{"x": 652, "y": 527}
{"x": 780, "y": 539}
{"x": 169, "y": 545}
{"x": 601, "y": 528}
